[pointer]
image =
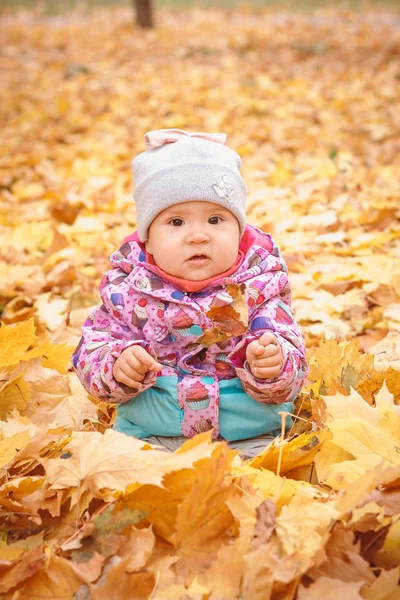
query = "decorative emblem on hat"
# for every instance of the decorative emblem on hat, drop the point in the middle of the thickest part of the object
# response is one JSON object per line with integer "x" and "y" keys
{"x": 224, "y": 188}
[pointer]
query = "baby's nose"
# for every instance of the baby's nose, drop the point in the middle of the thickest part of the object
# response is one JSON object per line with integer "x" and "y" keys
{"x": 198, "y": 237}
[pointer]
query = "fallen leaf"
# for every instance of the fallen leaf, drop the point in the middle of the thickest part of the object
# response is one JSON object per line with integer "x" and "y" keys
{"x": 120, "y": 584}
{"x": 328, "y": 588}
{"x": 385, "y": 586}
{"x": 228, "y": 320}
{"x": 114, "y": 461}
{"x": 24, "y": 567}
{"x": 56, "y": 580}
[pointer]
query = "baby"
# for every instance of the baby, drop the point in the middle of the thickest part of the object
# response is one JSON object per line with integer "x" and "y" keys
{"x": 140, "y": 349}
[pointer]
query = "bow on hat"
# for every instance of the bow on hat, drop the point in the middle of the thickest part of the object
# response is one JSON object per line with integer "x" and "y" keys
{"x": 159, "y": 137}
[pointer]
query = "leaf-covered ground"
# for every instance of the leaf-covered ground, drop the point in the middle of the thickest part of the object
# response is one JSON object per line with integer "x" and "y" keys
{"x": 312, "y": 103}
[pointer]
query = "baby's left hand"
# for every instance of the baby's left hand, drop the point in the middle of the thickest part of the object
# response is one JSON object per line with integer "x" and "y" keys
{"x": 264, "y": 356}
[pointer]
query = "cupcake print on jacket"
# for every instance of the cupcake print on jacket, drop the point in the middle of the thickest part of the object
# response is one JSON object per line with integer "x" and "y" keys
{"x": 254, "y": 292}
{"x": 223, "y": 366}
{"x": 182, "y": 323}
{"x": 149, "y": 284}
{"x": 202, "y": 426}
{"x": 139, "y": 314}
{"x": 255, "y": 259}
{"x": 221, "y": 299}
{"x": 162, "y": 335}
{"x": 170, "y": 360}
{"x": 283, "y": 314}
{"x": 261, "y": 323}
{"x": 118, "y": 303}
{"x": 197, "y": 396}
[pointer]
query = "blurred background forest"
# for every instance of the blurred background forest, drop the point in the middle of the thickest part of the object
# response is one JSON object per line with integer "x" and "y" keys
{"x": 59, "y": 6}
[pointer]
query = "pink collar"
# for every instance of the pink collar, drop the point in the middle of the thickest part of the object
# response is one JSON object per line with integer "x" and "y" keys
{"x": 194, "y": 286}
{"x": 250, "y": 237}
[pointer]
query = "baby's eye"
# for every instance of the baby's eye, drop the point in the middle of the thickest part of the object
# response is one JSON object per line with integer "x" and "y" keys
{"x": 176, "y": 222}
{"x": 214, "y": 220}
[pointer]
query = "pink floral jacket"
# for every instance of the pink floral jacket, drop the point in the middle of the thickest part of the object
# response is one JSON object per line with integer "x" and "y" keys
{"x": 139, "y": 307}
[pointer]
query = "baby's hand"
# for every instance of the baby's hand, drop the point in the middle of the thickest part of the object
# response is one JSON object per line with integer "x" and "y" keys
{"x": 132, "y": 365}
{"x": 264, "y": 356}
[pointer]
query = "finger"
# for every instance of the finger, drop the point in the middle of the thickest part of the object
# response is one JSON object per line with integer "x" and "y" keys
{"x": 266, "y": 362}
{"x": 157, "y": 367}
{"x": 268, "y": 338}
{"x": 133, "y": 374}
{"x": 144, "y": 357}
{"x": 141, "y": 367}
{"x": 254, "y": 349}
{"x": 269, "y": 351}
{"x": 134, "y": 364}
{"x": 122, "y": 377}
{"x": 263, "y": 373}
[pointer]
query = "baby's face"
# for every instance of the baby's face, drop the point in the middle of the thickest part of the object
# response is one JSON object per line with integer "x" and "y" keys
{"x": 194, "y": 240}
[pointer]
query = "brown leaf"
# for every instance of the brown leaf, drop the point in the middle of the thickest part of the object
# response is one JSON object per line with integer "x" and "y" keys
{"x": 343, "y": 559}
{"x": 228, "y": 320}
{"x": 265, "y": 523}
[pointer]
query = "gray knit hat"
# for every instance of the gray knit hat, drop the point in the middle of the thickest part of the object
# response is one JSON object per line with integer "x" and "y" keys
{"x": 179, "y": 167}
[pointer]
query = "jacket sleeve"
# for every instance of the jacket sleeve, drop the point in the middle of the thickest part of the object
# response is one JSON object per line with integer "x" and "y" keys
{"x": 105, "y": 334}
{"x": 274, "y": 315}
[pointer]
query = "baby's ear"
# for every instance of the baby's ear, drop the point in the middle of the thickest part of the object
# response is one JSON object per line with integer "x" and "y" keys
{"x": 147, "y": 245}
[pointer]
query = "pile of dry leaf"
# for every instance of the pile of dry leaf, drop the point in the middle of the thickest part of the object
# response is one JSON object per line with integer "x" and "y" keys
{"x": 312, "y": 103}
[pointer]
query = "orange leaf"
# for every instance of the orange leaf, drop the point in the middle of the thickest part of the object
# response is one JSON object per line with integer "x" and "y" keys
{"x": 24, "y": 567}
{"x": 228, "y": 320}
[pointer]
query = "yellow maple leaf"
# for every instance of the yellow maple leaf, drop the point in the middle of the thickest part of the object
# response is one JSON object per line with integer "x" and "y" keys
{"x": 224, "y": 576}
{"x": 114, "y": 461}
{"x": 279, "y": 489}
{"x": 338, "y": 365}
{"x": 295, "y": 453}
{"x": 54, "y": 356}
{"x": 203, "y": 517}
{"x": 15, "y": 423}
{"x": 15, "y": 395}
{"x": 15, "y": 341}
{"x": 303, "y": 525}
{"x": 9, "y": 447}
{"x": 57, "y": 400}
{"x": 365, "y": 437}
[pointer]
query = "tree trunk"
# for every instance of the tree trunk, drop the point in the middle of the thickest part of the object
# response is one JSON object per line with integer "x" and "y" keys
{"x": 144, "y": 17}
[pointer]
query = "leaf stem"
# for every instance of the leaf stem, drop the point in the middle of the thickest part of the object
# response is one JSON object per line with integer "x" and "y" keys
{"x": 283, "y": 428}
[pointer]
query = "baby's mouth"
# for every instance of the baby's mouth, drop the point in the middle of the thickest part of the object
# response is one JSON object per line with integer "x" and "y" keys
{"x": 198, "y": 259}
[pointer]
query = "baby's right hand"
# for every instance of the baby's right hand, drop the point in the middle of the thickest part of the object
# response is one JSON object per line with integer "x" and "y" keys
{"x": 132, "y": 365}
